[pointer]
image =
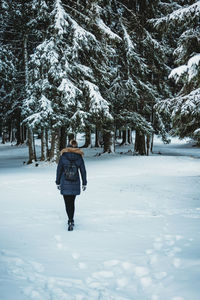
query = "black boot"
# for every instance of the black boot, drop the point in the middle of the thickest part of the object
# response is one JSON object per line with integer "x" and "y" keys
{"x": 70, "y": 225}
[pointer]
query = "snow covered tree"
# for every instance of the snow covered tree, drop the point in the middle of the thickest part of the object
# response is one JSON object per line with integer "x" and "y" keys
{"x": 184, "y": 107}
{"x": 7, "y": 75}
{"x": 51, "y": 94}
{"x": 139, "y": 75}
{"x": 18, "y": 36}
{"x": 92, "y": 66}
{"x": 7, "y": 91}
{"x": 73, "y": 62}
{"x": 97, "y": 60}
{"x": 95, "y": 69}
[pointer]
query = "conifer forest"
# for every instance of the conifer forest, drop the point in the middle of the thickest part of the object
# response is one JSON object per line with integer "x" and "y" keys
{"x": 102, "y": 67}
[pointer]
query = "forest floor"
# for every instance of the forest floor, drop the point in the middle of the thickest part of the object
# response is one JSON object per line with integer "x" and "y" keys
{"x": 137, "y": 227}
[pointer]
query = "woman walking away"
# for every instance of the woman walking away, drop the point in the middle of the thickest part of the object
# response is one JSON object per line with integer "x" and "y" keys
{"x": 68, "y": 179}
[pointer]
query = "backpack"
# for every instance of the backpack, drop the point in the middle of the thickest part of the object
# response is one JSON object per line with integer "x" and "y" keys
{"x": 71, "y": 171}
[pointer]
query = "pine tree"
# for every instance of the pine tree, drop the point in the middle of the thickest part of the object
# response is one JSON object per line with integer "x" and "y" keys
{"x": 98, "y": 59}
{"x": 63, "y": 90}
{"x": 94, "y": 66}
{"x": 185, "y": 105}
{"x": 7, "y": 75}
{"x": 18, "y": 36}
{"x": 7, "y": 91}
{"x": 51, "y": 98}
{"x": 136, "y": 84}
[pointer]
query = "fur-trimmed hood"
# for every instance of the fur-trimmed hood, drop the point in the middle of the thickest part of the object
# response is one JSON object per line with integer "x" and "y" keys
{"x": 72, "y": 150}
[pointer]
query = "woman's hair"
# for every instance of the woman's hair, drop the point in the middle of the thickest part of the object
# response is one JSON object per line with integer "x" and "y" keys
{"x": 74, "y": 143}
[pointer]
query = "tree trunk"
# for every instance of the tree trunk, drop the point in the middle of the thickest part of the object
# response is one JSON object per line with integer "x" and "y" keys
{"x": 29, "y": 131}
{"x": 34, "y": 149}
{"x": 70, "y": 137}
{"x": 97, "y": 142}
{"x": 63, "y": 137}
{"x": 9, "y": 131}
{"x": 47, "y": 143}
{"x": 108, "y": 141}
{"x": 148, "y": 143}
{"x": 55, "y": 143}
{"x": 30, "y": 146}
{"x": 26, "y": 62}
{"x": 43, "y": 145}
{"x": 57, "y": 147}
{"x": 129, "y": 136}
{"x": 52, "y": 150}
{"x": 18, "y": 131}
{"x": 87, "y": 137}
{"x": 140, "y": 143}
{"x": 124, "y": 137}
{"x": 4, "y": 137}
{"x": 23, "y": 133}
{"x": 152, "y": 139}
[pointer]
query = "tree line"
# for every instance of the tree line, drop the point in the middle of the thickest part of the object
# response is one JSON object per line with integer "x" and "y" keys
{"x": 106, "y": 67}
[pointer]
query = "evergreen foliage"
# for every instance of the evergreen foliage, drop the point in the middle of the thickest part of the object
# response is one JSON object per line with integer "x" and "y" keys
{"x": 184, "y": 107}
{"x": 99, "y": 66}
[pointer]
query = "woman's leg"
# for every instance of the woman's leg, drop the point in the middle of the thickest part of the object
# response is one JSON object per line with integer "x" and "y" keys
{"x": 70, "y": 206}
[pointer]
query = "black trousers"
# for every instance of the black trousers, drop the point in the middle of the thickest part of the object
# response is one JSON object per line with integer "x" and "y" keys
{"x": 70, "y": 205}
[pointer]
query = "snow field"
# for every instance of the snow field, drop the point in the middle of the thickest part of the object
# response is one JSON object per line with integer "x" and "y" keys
{"x": 136, "y": 230}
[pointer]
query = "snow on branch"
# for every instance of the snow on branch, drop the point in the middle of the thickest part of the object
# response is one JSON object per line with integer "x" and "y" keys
{"x": 80, "y": 34}
{"x": 197, "y": 133}
{"x": 85, "y": 71}
{"x": 178, "y": 72}
{"x": 136, "y": 121}
{"x": 193, "y": 65}
{"x": 43, "y": 114}
{"x": 183, "y": 14}
{"x": 97, "y": 102}
{"x": 183, "y": 104}
{"x": 69, "y": 90}
{"x": 46, "y": 105}
{"x": 191, "y": 69}
{"x": 158, "y": 47}
{"x": 130, "y": 46}
{"x": 104, "y": 28}
{"x": 192, "y": 100}
{"x": 60, "y": 17}
{"x": 46, "y": 51}
{"x": 78, "y": 118}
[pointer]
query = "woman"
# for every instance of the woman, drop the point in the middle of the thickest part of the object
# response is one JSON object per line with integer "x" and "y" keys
{"x": 71, "y": 161}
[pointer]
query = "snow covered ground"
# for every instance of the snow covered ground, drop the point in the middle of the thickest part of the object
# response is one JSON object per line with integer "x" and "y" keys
{"x": 137, "y": 233}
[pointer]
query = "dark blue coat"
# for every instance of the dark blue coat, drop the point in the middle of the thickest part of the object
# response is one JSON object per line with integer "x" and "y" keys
{"x": 70, "y": 187}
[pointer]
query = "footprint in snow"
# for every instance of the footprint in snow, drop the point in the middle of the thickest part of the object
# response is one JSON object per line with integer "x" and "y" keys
{"x": 153, "y": 259}
{"x": 177, "y": 262}
{"x": 146, "y": 281}
{"x": 141, "y": 271}
{"x": 75, "y": 255}
{"x": 160, "y": 275}
{"x": 82, "y": 266}
{"x": 57, "y": 238}
{"x": 158, "y": 244}
{"x": 127, "y": 266}
{"x": 103, "y": 274}
{"x": 111, "y": 263}
{"x": 122, "y": 282}
{"x": 37, "y": 267}
{"x": 59, "y": 242}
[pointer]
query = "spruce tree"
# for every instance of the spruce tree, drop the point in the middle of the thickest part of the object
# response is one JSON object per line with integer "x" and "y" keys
{"x": 184, "y": 105}
{"x": 136, "y": 78}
